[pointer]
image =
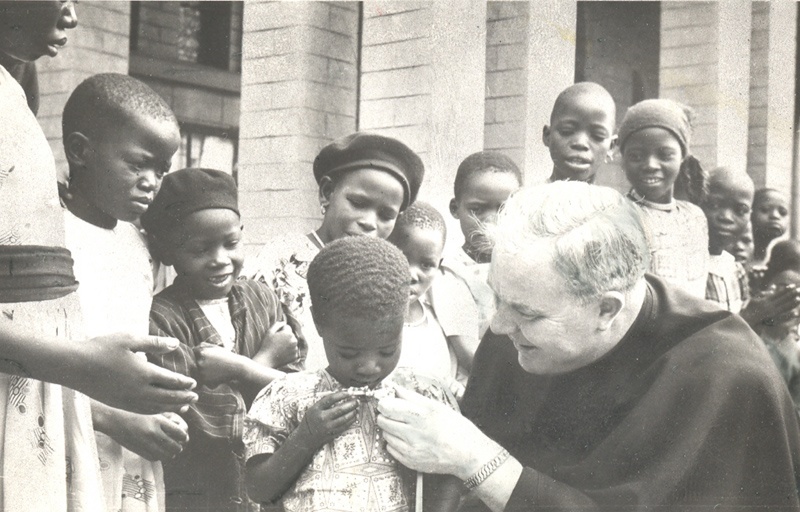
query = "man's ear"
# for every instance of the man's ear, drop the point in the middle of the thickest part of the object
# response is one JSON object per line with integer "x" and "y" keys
{"x": 546, "y": 135}
{"x": 76, "y": 148}
{"x": 611, "y": 303}
{"x": 454, "y": 208}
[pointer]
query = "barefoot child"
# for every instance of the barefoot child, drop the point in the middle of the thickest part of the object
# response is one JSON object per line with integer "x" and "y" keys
{"x": 365, "y": 181}
{"x": 119, "y": 138}
{"x": 727, "y": 209}
{"x": 233, "y": 333}
{"x": 580, "y": 135}
{"x": 483, "y": 182}
{"x": 311, "y": 437}
{"x": 654, "y": 142}
{"x": 420, "y": 233}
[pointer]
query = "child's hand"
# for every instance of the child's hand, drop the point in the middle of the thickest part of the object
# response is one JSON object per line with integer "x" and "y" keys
{"x": 279, "y": 347}
{"x": 771, "y": 307}
{"x": 329, "y": 417}
{"x": 217, "y": 365}
{"x": 156, "y": 437}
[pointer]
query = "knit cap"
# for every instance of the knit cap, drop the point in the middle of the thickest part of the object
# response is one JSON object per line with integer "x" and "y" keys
{"x": 658, "y": 113}
{"x": 371, "y": 151}
{"x": 185, "y": 192}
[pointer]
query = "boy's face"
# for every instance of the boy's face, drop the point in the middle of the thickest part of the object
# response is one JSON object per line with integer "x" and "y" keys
{"x": 579, "y": 137}
{"x": 29, "y": 30}
{"x": 207, "y": 252}
{"x": 125, "y": 166}
{"x": 652, "y": 159}
{"x": 742, "y": 248}
{"x": 362, "y": 352}
{"x": 727, "y": 208}
{"x": 423, "y": 249}
{"x": 361, "y": 202}
{"x": 481, "y": 198}
{"x": 770, "y": 216}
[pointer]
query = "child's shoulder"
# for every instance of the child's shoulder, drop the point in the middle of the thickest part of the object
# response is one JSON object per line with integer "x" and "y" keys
{"x": 425, "y": 385}
{"x": 295, "y": 385}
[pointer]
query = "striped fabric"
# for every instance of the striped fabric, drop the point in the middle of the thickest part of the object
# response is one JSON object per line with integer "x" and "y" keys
{"x": 219, "y": 412}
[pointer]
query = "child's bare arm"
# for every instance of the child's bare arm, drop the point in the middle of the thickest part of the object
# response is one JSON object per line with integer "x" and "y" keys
{"x": 279, "y": 347}
{"x": 217, "y": 365}
{"x": 442, "y": 493}
{"x": 270, "y": 476}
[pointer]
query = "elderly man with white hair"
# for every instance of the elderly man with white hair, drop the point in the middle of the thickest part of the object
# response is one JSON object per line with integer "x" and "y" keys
{"x": 601, "y": 387}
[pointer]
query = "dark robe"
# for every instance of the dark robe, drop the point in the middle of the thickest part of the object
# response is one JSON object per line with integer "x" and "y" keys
{"x": 687, "y": 412}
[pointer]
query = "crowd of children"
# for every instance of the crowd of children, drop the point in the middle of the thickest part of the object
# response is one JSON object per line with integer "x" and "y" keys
{"x": 291, "y": 352}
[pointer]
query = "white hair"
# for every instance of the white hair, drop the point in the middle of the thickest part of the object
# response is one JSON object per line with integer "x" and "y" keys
{"x": 597, "y": 237}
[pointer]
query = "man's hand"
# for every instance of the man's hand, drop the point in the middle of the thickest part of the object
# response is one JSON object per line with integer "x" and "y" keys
{"x": 108, "y": 369}
{"x": 430, "y": 437}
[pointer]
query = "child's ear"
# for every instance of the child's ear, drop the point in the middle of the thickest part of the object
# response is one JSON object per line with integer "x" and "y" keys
{"x": 326, "y": 186}
{"x": 546, "y": 135}
{"x": 454, "y": 208}
{"x": 611, "y": 149}
{"x": 76, "y": 147}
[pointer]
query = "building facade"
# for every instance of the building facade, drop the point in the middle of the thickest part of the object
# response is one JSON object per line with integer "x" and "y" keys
{"x": 260, "y": 87}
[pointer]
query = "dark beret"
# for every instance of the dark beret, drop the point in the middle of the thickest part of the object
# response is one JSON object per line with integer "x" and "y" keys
{"x": 371, "y": 151}
{"x": 185, "y": 192}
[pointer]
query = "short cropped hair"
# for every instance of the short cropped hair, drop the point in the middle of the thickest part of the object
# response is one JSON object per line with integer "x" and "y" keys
{"x": 359, "y": 277}
{"x": 483, "y": 161}
{"x": 598, "y": 239}
{"x": 102, "y": 101}
{"x": 762, "y": 193}
{"x": 420, "y": 215}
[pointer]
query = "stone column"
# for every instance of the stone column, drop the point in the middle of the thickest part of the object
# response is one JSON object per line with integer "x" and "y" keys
{"x": 423, "y": 76}
{"x": 299, "y": 90}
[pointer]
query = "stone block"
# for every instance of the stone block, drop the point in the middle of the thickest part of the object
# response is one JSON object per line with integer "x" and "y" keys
{"x": 505, "y": 83}
{"x": 506, "y": 31}
{"x": 509, "y": 134}
{"x": 396, "y": 83}
{"x": 688, "y": 36}
{"x": 343, "y": 18}
{"x": 512, "y": 56}
{"x": 395, "y": 27}
{"x": 689, "y": 14}
{"x": 688, "y": 55}
{"x": 397, "y": 54}
{"x": 688, "y": 75}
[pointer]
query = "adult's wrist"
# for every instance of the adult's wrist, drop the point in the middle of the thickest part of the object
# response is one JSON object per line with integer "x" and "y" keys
{"x": 477, "y": 456}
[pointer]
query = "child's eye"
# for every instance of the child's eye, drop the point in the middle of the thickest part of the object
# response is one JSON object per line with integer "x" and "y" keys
{"x": 348, "y": 355}
{"x": 231, "y": 244}
{"x": 357, "y": 202}
{"x": 388, "y": 353}
{"x": 783, "y": 212}
{"x": 743, "y": 210}
{"x": 387, "y": 215}
{"x": 599, "y": 136}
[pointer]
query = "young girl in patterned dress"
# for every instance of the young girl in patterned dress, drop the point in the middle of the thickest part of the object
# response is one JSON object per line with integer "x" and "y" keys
{"x": 654, "y": 142}
{"x": 311, "y": 438}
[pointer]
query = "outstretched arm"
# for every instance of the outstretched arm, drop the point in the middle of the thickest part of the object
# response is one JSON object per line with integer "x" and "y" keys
{"x": 105, "y": 368}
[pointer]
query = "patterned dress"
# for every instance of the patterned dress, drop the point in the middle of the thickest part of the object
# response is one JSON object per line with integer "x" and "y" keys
{"x": 352, "y": 473}
{"x": 45, "y": 430}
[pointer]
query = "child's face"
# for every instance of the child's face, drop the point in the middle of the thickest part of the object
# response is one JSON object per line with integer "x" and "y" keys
{"x": 652, "y": 159}
{"x": 742, "y": 248}
{"x": 207, "y": 252}
{"x": 423, "y": 249}
{"x": 770, "y": 216}
{"x": 125, "y": 166}
{"x": 361, "y": 202}
{"x": 579, "y": 137}
{"x": 727, "y": 208}
{"x": 362, "y": 352}
{"x": 31, "y": 30}
{"x": 483, "y": 195}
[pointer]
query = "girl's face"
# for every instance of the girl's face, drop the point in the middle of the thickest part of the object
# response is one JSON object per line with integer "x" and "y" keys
{"x": 652, "y": 160}
{"x": 770, "y": 216}
{"x": 361, "y": 202}
{"x": 362, "y": 352}
{"x": 29, "y": 30}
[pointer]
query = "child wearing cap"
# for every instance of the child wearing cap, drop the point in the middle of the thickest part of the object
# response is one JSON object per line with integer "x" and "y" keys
{"x": 580, "y": 135}
{"x": 312, "y": 440}
{"x": 119, "y": 137}
{"x": 654, "y": 142}
{"x": 233, "y": 333}
{"x": 365, "y": 180}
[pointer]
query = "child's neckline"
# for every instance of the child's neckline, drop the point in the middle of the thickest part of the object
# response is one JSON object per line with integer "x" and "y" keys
{"x": 640, "y": 199}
